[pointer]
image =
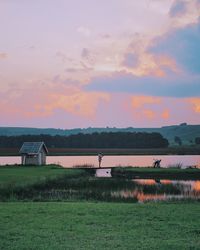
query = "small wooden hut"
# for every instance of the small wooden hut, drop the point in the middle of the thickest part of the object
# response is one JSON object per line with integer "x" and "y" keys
{"x": 33, "y": 153}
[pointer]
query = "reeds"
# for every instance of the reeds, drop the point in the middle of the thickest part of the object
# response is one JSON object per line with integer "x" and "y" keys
{"x": 176, "y": 166}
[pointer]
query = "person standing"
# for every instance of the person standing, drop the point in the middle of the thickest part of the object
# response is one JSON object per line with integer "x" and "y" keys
{"x": 100, "y": 156}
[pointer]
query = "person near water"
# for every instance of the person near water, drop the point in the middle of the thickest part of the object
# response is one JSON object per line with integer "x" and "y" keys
{"x": 156, "y": 163}
{"x": 100, "y": 156}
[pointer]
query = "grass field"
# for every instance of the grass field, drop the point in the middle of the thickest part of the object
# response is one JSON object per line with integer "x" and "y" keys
{"x": 84, "y": 224}
{"x": 99, "y": 226}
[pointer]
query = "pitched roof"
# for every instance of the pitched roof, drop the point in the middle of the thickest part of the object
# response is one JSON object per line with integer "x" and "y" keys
{"x": 32, "y": 147}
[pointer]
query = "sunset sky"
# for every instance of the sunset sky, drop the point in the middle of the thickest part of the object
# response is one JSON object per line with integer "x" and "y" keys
{"x": 97, "y": 63}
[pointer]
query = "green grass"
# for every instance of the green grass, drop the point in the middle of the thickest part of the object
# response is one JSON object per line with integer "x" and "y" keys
{"x": 56, "y": 184}
{"x": 16, "y": 175}
{"x": 99, "y": 226}
{"x": 22, "y": 183}
{"x": 160, "y": 173}
{"x": 51, "y": 183}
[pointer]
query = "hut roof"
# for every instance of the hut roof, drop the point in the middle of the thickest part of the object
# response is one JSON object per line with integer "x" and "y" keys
{"x": 32, "y": 147}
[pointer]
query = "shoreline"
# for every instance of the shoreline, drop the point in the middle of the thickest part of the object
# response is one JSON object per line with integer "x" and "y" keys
{"x": 190, "y": 173}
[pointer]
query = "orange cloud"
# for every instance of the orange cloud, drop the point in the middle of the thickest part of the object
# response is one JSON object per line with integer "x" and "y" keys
{"x": 140, "y": 101}
{"x": 139, "y": 61}
{"x": 165, "y": 114}
{"x": 80, "y": 103}
{"x": 150, "y": 114}
{"x": 157, "y": 65}
{"x": 44, "y": 100}
{"x": 196, "y": 104}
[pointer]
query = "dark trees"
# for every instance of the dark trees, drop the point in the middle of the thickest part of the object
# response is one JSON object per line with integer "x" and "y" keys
{"x": 197, "y": 140}
{"x": 95, "y": 140}
{"x": 178, "y": 140}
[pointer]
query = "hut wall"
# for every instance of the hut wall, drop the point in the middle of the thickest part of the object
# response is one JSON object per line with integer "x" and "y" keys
{"x": 43, "y": 156}
{"x": 23, "y": 157}
{"x": 34, "y": 159}
{"x": 31, "y": 160}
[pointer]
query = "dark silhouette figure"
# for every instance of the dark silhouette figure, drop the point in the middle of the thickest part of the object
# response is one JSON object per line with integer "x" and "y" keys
{"x": 157, "y": 181}
{"x": 100, "y": 156}
{"x": 156, "y": 164}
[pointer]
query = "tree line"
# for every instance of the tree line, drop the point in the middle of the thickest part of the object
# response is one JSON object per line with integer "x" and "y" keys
{"x": 197, "y": 140}
{"x": 95, "y": 140}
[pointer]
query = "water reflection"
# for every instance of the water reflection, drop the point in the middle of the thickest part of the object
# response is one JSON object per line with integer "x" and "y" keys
{"x": 155, "y": 190}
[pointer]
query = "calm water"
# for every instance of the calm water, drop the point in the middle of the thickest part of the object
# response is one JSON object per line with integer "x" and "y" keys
{"x": 112, "y": 161}
{"x": 119, "y": 160}
{"x": 154, "y": 190}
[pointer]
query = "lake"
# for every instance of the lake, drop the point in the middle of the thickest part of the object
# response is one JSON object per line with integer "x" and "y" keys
{"x": 113, "y": 161}
{"x": 160, "y": 190}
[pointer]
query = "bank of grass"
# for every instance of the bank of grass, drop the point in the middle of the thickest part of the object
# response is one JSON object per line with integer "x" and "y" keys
{"x": 27, "y": 183}
{"x": 57, "y": 184}
{"x": 17, "y": 174}
{"x": 83, "y": 225}
{"x": 53, "y": 183}
{"x": 157, "y": 173}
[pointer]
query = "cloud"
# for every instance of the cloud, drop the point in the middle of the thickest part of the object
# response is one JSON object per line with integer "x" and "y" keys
{"x": 140, "y": 101}
{"x": 196, "y": 104}
{"x": 181, "y": 44}
{"x": 85, "y": 31}
{"x": 169, "y": 86}
{"x": 178, "y": 8}
{"x": 165, "y": 114}
{"x": 80, "y": 103}
{"x": 63, "y": 57}
{"x": 198, "y": 3}
{"x": 49, "y": 97}
{"x": 149, "y": 107}
{"x": 87, "y": 56}
{"x": 85, "y": 53}
{"x": 149, "y": 114}
{"x": 3, "y": 55}
{"x": 130, "y": 60}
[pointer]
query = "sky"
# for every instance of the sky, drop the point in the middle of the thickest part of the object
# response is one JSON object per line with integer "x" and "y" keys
{"x": 117, "y": 63}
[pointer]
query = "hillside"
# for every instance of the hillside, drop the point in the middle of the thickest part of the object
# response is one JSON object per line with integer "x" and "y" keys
{"x": 187, "y": 133}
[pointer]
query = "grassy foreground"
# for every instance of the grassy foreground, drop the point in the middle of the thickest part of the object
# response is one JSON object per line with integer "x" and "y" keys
{"x": 57, "y": 184}
{"x": 99, "y": 226}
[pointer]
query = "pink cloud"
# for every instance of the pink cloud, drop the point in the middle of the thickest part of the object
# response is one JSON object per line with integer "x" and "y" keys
{"x": 43, "y": 101}
{"x": 140, "y": 101}
{"x": 196, "y": 104}
{"x": 149, "y": 114}
{"x": 165, "y": 114}
{"x": 3, "y": 55}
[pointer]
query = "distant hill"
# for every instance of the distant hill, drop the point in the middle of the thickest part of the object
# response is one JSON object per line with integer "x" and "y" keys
{"x": 187, "y": 133}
